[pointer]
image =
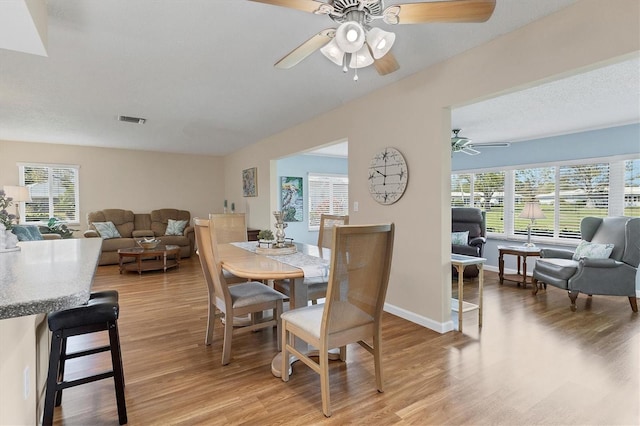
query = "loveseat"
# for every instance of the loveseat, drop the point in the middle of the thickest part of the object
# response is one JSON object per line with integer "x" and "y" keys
{"x": 132, "y": 227}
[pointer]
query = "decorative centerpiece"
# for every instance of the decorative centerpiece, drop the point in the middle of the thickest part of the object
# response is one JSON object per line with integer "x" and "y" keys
{"x": 281, "y": 245}
{"x": 148, "y": 243}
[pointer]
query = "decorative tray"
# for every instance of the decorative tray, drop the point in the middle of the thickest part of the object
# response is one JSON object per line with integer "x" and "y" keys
{"x": 269, "y": 248}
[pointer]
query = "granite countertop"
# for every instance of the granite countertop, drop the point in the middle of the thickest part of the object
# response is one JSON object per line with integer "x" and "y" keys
{"x": 46, "y": 276}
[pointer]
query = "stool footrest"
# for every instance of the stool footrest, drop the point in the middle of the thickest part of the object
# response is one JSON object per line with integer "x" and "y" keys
{"x": 84, "y": 380}
{"x": 87, "y": 352}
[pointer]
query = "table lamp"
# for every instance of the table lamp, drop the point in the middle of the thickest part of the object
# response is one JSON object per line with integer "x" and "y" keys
{"x": 531, "y": 211}
{"x": 19, "y": 194}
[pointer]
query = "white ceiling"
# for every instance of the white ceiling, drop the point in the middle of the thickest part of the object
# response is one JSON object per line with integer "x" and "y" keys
{"x": 201, "y": 72}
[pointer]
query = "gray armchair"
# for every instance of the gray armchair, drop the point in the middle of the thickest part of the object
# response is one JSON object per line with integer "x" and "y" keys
{"x": 613, "y": 276}
{"x": 473, "y": 220}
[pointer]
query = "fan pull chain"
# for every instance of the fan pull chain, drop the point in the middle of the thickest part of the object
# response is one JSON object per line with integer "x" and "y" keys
{"x": 355, "y": 76}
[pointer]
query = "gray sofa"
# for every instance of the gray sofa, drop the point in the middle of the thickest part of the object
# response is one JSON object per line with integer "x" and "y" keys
{"x": 136, "y": 226}
{"x": 613, "y": 276}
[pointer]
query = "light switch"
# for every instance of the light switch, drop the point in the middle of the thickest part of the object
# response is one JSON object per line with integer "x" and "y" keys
{"x": 355, "y": 206}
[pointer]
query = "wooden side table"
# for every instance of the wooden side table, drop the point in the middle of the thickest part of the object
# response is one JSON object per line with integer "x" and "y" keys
{"x": 459, "y": 261}
{"x": 522, "y": 252}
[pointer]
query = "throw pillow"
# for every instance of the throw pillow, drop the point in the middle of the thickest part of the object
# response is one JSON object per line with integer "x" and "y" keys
{"x": 175, "y": 227}
{"x": 460, "y": 238}
{"x": 106, "y": 230}
{"x": 592, "y": 250}
{"x": 27, "y": 232}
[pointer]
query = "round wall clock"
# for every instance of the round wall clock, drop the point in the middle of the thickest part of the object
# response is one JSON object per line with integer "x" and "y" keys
{"x": 388, "y": 176}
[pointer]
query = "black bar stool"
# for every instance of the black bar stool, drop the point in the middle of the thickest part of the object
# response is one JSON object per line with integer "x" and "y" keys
{"x": 99, "y": 314}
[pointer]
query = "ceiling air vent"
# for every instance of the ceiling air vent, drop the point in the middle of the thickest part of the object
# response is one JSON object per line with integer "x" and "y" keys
{"x": 135, "y": 120}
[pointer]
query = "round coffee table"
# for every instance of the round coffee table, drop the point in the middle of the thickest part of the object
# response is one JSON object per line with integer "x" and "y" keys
{"x": 149, "y": 259}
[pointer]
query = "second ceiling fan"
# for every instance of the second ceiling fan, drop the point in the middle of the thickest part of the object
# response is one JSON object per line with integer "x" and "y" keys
{"x": 466, "y": 146}
{"x": 355, "y": 43}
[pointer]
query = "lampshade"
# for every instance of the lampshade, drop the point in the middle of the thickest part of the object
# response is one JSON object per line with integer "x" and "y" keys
{"x": 532, "y": 211}
{"x": 362, "y": 58}
{"x": 18, "y": 193}
{"x": 380, "y": 41}
{"x": 350, "y": 36}
{"x": 333, "y": 52}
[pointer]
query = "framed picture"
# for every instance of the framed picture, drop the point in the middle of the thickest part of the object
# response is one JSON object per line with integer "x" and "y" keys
{"x": 250, "y": 182}
{"x": 291, "y": 198}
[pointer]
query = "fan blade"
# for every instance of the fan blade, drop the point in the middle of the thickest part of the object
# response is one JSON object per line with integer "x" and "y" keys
{"x": 492, "y": 145}
{"x": 469, "y": 151}
{"x": 305, "y": 49}
{"x": 311, "y": 6}
{"x": 387, "y": 64}
{"x": 440, "y": 11}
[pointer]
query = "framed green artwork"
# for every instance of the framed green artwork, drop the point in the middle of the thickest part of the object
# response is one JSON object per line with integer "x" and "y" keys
{"x": 291, "y": 198}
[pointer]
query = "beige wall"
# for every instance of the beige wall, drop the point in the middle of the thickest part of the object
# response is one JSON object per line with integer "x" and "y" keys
{"x": 134, "y": 180}
{"x": 413, "y": 116}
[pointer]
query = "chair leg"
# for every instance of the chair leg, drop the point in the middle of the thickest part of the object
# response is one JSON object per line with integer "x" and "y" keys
{"x": 324, "y": 379}
{"x": 118, "y": 373}
{"x": 52, "y": 379}
{"x": 61, "y": 363}
{"x": 573, "y": 295}
{"x": 210, "y": 323}
{"x": 377, "y": 359}
{"x": 284, "y": 367}
{"x": 535, "y": 286}
{"x": 228, "y": 335}
{"x": 634, "y": 303}
{"x": 343, "y": 353}
{"x": 277, "y": 312}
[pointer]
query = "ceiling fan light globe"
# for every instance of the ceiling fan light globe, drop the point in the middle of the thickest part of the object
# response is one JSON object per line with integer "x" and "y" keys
{"x": 333, "y": 52}
{"x": 361, "y": 59}
{"x": 350, "y": 36}
{"x": 380, "y": 41}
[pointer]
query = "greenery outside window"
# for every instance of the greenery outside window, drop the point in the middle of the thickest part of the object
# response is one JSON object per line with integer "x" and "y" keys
{"x": 328, "y": 194}
{"x": 566, "y": 192}
{"x": 631, "y": 194}
{"x": 54, "y": 192}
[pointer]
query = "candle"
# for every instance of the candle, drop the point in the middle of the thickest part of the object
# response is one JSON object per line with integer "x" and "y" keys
{"x": 225, "y": 203}
{"x": 233, "y": 207}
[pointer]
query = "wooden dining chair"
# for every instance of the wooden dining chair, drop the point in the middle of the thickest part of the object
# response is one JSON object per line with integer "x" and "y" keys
{"x": 317, "y": 286}
{"x": 352, "y": 312}
{"x": 230, "y": 227}
{"x": 232, "y": 300}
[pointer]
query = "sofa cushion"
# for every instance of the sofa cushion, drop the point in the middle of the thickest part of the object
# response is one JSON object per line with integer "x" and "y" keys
{"x": 27, "y": 232}
{"x": 160, "y": 219}
{"x": 107, "y": 230}
{"x": 117, "y": 243}
{"x": 122, "y": 219}
{"x": 592, "y": 250}
{"x": 559, "y": 268}
{"x": 175, "y": 227}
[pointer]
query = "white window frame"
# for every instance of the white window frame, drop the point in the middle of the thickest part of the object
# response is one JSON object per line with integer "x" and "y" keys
{"x": 49, "y": 167}
{"x": 339, "y": 179}
{"x": 615, "y": 200}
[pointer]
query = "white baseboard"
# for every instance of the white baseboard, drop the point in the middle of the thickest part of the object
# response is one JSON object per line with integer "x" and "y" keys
{"x": 420, "y": 320}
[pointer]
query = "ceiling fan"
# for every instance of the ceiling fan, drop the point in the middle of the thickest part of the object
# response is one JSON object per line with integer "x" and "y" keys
{"x": 462, "y": 144}
{"x": 355, "y": 43}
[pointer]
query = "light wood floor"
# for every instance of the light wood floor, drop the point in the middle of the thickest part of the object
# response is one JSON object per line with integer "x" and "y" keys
{"x": 534, "y": 362}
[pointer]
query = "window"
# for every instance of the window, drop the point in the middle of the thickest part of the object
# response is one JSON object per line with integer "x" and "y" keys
{"x": 328, "y": 194}
{"x": 531, "y": 185}
{"x": 54, "y": 192}
{"x": 632, "y": 188}
{"x": 566, "y": 193}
